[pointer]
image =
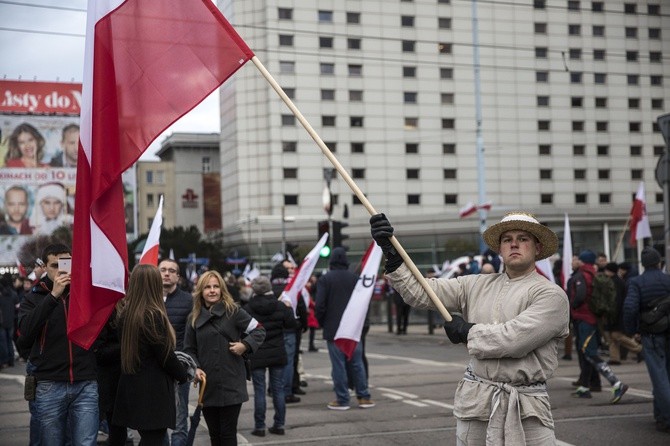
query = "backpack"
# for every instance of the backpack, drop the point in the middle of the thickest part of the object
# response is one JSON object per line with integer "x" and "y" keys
{"x": 603, "y": 298}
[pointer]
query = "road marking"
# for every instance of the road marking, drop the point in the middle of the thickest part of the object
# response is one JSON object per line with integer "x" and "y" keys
{"x": 415, "y": 403}
{"x": 398, "y": 392}
{"x": 417, "y": 361}
{"x": 439, "y": 404}
{"x": 18, "y": 378}
{"x": 392, "y": 396}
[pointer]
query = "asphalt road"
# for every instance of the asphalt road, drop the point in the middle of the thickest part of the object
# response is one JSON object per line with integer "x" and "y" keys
{"x": 412, "y": 380}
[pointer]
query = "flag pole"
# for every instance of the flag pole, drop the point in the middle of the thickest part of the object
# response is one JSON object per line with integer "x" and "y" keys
{"x": 350, "y": 182}
{"x": 623, "y": 233}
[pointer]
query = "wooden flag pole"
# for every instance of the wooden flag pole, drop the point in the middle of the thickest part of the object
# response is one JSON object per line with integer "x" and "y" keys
{"x": 623, "y": 233}
{"x": 347, "y": 178}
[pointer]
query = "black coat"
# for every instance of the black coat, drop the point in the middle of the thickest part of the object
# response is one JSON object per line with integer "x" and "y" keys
{"x": 275, "y": 316}
{"x": 333, "y": 292}
{"x": 146, "y": 399}
{"x": 108, "y": 356}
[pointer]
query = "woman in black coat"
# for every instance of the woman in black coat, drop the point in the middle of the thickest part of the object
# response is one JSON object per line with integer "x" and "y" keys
{"x": 145, "y": 398}
{"x": 218, "y": 333}
{"x": 275, "y": 317}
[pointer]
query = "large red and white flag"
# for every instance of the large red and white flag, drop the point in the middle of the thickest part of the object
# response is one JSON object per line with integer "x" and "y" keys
{"x": 348, "y": 333}
{"x": 302, "y": 274}
{"x": 544, "y": 267}
{"x": 146, "y": 64}
{"x": 470, "y": 208}
{"x": 639, "y": 221}
{"x": 150, "y": 252}
{"x": 566, "y": 268}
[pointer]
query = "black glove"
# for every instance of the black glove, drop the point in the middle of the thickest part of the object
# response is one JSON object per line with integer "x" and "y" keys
{"x": 457, "y": 330}
{"x": 382, "y": 231}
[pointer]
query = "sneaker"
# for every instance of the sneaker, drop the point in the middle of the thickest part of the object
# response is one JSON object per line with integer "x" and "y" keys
{"x": 258, "y": 432}
{"x": 617, "y": 393}
{"x": 365, "y": 403}
{"x": 581, "y": 392}
{"x": 334, "y": 405}
{"x": 276, "y": 430}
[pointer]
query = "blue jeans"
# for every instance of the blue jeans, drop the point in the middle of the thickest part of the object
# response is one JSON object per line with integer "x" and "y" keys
{"x": 339, "y": 373}
{"x": 278, "y": 397}
{"x": 61, "y": 406}
{"x": 289, "y": 344}
{"x": 180, "y": 431}
{"x": 657, "y": 356}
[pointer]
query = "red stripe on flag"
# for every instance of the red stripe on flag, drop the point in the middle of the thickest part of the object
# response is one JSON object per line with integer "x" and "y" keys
{"x": 150, "y": 257}
{"x": 346, "y": 346}
{"x": 151, "y": 62}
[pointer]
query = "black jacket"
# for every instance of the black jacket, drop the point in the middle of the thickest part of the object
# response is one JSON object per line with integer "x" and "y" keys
{"x": 275, "y": 316}
{"x": 333, "y": 292}
{"x": 43, "y": 328}
{"x": 178, "y": 305}
{"x": 278, "y": 285}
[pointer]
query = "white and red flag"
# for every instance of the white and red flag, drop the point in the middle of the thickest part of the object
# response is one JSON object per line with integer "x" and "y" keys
{"x": 639, "y": 221}
{"x": 470, "y": 208}
{"x": 566, "y": 268}
{"x": 302, "y": 274}
{"x": 146, "y": 64}
{"x": 150, "y": 252}
{"x": 351, "y": 325}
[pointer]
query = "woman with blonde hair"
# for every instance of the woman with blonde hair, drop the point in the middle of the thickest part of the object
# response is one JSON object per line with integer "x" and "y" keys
{"x": 218, "y": 334}
{"x": 25, "y": 147}
{"x": 145, "y": 398}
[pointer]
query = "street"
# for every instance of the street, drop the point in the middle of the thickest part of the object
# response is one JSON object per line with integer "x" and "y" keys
{"x": 412, "y": 380}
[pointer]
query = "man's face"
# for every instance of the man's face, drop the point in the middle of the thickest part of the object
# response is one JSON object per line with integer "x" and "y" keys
{"x": 70, "y": 144}
{"x": 518, "y": 250}
{"x": 52, "y": 264}
{"x": 169, "y": 274}
{"x": 601, "y": 261}
{"x": 576, "y": 263}
{"x": 16, "y": 205}
{"x": 51, "y": 207}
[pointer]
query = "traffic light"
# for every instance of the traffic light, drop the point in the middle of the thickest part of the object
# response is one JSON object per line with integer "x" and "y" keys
{"x": 323, "y": 227}
{"x": 337, "y": 235}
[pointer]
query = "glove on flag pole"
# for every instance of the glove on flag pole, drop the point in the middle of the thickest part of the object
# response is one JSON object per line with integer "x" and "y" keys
{"x": 348, "y": 333}
{"x": 146, "y": 64}
{"x": 302, "y": 274}
{"x": 150, "y": 252}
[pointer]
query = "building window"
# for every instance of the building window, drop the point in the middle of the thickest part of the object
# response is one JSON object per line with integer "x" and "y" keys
{"x": 541, "y": 52}
{"x": 634, "y": 127}
{"x": 603, "y": 174}
{"x": 541, "y": 76}
{"x": 448, "y": 123}
{"x": 411, "y": 123}
{"x": 325, "y": 42}
{"x": 605, "y": 198}
{"x": 597, "y": 6}
{"x": 289, "y": 146}
{"x": 413, "y": 199}
{"x": 659, "y": 150}
{"x": 573, "y": 5}
{"x": 286, "y": 67}
{"x": 150, "y": 200}
{"x": 630, "y": 32}
{"x": 630, "y": 8}
{"x": 328, "y": 95}
{"x": 656, "y": 80}
{"x": 602, "y": 126}
{"x": 599, "y": 78}
{"x": 449, "y": 149}
{"x": 633, "y": 79}
{"x": 206, "y": 165}
{"x": 657, "y": 104}
{"x": 544, "y": 149}
{"x": 325, "y": 16}
{"x": 575, "y": 77}
{"x": 449, "y": 174}
{"x": 603, "y": 150}
{"x": 355, "y": 95}
{"x": 447, "y": 98}
{"x": 358, "y": 173}
{"x": 580, "y": 198}
{"x": 540, "y": 28}
{"x": 355, "y": 70}
{"x": 543, "y": 101}
{"x": 355, "y": 200}
{"x": 355, "y": 121}
{"x": 575, "y": 54}
{"x": 353, "y": 17}
{"x": 444, "y": 23}
{"x": 545, "y": 174}
{"x": 290, "y": 92}
{"x": 544, "y": 125}
{"x": 655, "y": 33}
{"x": 354, "y": 44}
{"x": 327, "y": 68}
{"x": 539, "y": 4}
{"x": 408, "y": 46}
{"x": 412, "y": 174}
{"x": 408, "y": 71}
{"x": 444, "y": 48}
{"x": 285, "y": 40}
{"x": 546, "y": 198}
{"x": 654, "y": 9}
{"x": 634, "y": 103}
{"x": 150, "y": 176}
{"x": 411, "y": 147}
{"x": 580, "y": 174}
{"x": 599, "y": 54}
{"x": 328, "y": 121}
{"x": 655, "y": 56}
{"x": 659, "y": 197}
{"x": 357, "y": 147}
{"x": 631, "y": 56}
{"x": 290, "y": 173}
{"x": 446, "y": 73}
{"x": 577, "y": 126}
{"x": 598, "y": 31}
{"x": 287, "y": 120}
{"x": 635, "y": 150}
{"x": 577, "y": 102}
{"x": 409, "y": 97}
{"x": 636, "y": 174}
{"x": 574, "y": 30}
{"x": 601, "y": 102}
{"x": 332, "y": 146}
{"x": 285, "y": 13}
{"x": 407, "y": 21}
{"x": 290, "y": 200}
{"x": 578, "y": 150}
{"x": 450, "y": 198}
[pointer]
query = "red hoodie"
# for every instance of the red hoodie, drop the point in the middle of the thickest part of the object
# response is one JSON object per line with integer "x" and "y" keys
{"x": 579, "y": 292}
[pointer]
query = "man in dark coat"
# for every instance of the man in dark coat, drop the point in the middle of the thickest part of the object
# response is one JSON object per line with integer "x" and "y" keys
{"x": 178, "y": 304}
{"x": 333, "y": 292}
{"x": 275, "y": 316}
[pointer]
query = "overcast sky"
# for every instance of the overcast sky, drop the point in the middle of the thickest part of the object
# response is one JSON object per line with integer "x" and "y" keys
{"x": 44, "y": 40}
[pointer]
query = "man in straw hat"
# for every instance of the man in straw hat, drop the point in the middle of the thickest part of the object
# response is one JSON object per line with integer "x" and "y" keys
{"x": 511, "y": 323}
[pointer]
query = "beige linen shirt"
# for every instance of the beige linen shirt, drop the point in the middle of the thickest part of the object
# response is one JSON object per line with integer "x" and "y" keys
{"x": 519, "y": 324}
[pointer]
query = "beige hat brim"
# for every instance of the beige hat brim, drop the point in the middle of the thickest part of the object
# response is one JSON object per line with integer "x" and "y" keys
{"x": 546, "y": 236}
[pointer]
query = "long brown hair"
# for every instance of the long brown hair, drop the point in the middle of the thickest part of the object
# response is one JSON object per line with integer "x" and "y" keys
{"x": 199, "y": 302}
{"x": 14, "y": 151}
{"x": 144, "y": 316}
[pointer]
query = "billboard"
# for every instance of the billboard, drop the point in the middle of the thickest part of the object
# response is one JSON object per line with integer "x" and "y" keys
{"x": 39, "y": 141}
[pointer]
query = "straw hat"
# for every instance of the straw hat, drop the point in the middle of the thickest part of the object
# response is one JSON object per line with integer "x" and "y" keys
{"x": 521, "y": 221}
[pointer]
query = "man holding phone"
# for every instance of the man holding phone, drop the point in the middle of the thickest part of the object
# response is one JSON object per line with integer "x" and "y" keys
{"x": 66, "y": 397}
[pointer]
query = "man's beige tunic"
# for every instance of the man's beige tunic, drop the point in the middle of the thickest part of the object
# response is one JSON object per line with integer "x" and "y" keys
{"x": 519, "y": 323}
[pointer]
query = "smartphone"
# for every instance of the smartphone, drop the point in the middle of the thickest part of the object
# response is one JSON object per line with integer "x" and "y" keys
{"x": 65, "y": 264}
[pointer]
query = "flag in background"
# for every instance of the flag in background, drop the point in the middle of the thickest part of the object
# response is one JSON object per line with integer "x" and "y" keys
{"x": 302, "y": 274}
{"x": 351, "y": 325}
{"x": 146, "y": 64}
{"x": 566, "y": 269}
{"x": 470, "y": 208}
{"x": 152, "y": 244}
{"x": 544, "y": 267}
{"x": 639, "y": 221}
